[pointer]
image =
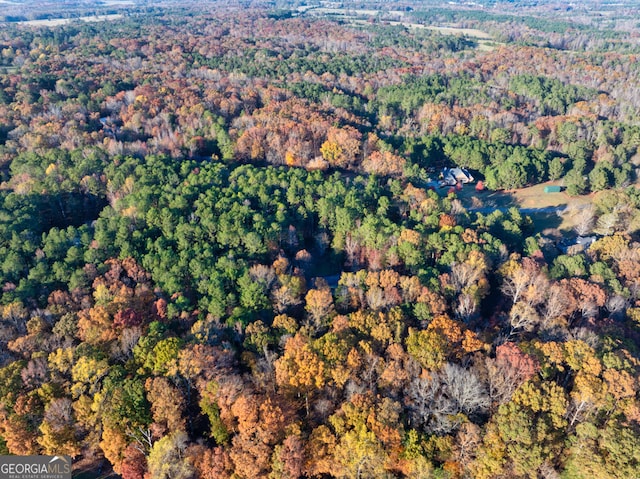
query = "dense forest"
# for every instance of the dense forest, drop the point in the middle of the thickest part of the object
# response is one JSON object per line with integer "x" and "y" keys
{"x": 224, "y": 252}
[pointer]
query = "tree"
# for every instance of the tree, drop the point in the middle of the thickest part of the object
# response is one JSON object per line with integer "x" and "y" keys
{"x": 556, "y": 169}
{"x": 607, "y": 451}
{"x": 58, "y": 429}
{"x": 585, "y": 221}
{"x": 588, "y": 297}
{"x": 599, "y": 177}
{"x": 209, "y": 406}
{"x": 167, "y": 403}
{"x": 320, "y": 449}
{"x": 342, "y": 146}
{"x": 319, "y": 305}
{"x": 360, "y": 454}
{"x": 211, "y": 463}
{"x": 369, "y": 437}
{"x": 113, "y": 444}
{"x": 300, "y": 368}
{"x": 575, "y": 182}
{"x": 87, "y": 373}
{"x": 444, "y": 338}
{"x": 438, "y": 403}
{"x": 288, "y": 459}
{"x": 532, "y": 425}
{"x": 167, "y": 458}
{"x": 18, "y": 434}
{"x": 383, "y": 163}
{"x": 134, "y": 463}
{"x": 427, "y": 347}
{"x": 162, "y": 359}
{"x": 260, "y": 427}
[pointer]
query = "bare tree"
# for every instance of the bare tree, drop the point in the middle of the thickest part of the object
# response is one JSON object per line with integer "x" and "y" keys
{"x": 351, "y": 247}
{"x": 587, "y": 336}
{"x": 585, "y": 220}
{"x": 284, "y": 298}
{"x": 465, "y": 389}
{"x": 522, "y": 317}
{"x": 503, "y": 250}
{"x": 467, "y": 441}
{"x": 607, "y": 223}
{"x": 464, "y": 275}
{"x": 515, "y": 284}
{"x": 122, "y": 350}
{"x": 263, "y": 274}
{"x": 376, "y": 298}
{"x": 555, "y": 304}
{"x": 617, "y": 305}
{"x": 526, "y": 283}
{"x": 503, "y": 381}
{"x": 435, "y": 403}
{"x": 35, "y": 372}
{"x": 322, "y": 241}
{"x": 467, "y": 307}
{"x": 457, "y": 208}
{"x": 547, "y": 471}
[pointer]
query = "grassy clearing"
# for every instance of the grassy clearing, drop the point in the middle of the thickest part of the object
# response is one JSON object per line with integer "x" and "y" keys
{"x": 64, "y": 21}
{"x": 556, "y": 210}
{"x": 487, "y": 45}
{"x": 470, "y": 32}
{"x": 535, "y": 197}
{"x": 116, "y": 3}
{"x": 485, "y": 40}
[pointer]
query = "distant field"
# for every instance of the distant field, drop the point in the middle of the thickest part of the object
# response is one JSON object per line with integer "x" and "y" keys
{"x": 471, "y": 32}
{"x": 487, "y": 45}
{"x": 347, "y": 12}
{"x": 485, "y": 41}
{"x": 64, "y": 21}
{"x": 112, "y": 3}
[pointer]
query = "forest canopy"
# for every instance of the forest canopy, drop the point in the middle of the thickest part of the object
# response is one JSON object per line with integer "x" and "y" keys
{"x": 226, "y": 250}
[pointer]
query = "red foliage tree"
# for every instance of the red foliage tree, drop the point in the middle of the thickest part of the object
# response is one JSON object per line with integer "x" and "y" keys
{"x": 134, "y": 464}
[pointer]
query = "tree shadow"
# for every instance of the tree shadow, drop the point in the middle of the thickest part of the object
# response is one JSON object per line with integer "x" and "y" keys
{"x": 69, "y": 209}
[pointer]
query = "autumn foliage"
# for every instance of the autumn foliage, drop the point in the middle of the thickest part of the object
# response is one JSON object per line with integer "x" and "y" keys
{"x": 225, "y": 254}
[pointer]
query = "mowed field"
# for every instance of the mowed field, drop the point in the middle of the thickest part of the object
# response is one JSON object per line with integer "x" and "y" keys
{"x": 470, "y": 32}
{"x": 63, "y": 21}
{"x": 547, "y": 210}
{"x": 484, "y": 40}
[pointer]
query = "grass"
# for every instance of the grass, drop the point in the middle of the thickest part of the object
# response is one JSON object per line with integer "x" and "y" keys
{"x": 546, "y": 222}
{"x": 535, "y": 197}
{"x": 63, "y": 21}
{"x": 470, "y": 32}
{"x": 487, "y": 45}
{"x": 484, "y": 40}
{"x": 531, "y": 198}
